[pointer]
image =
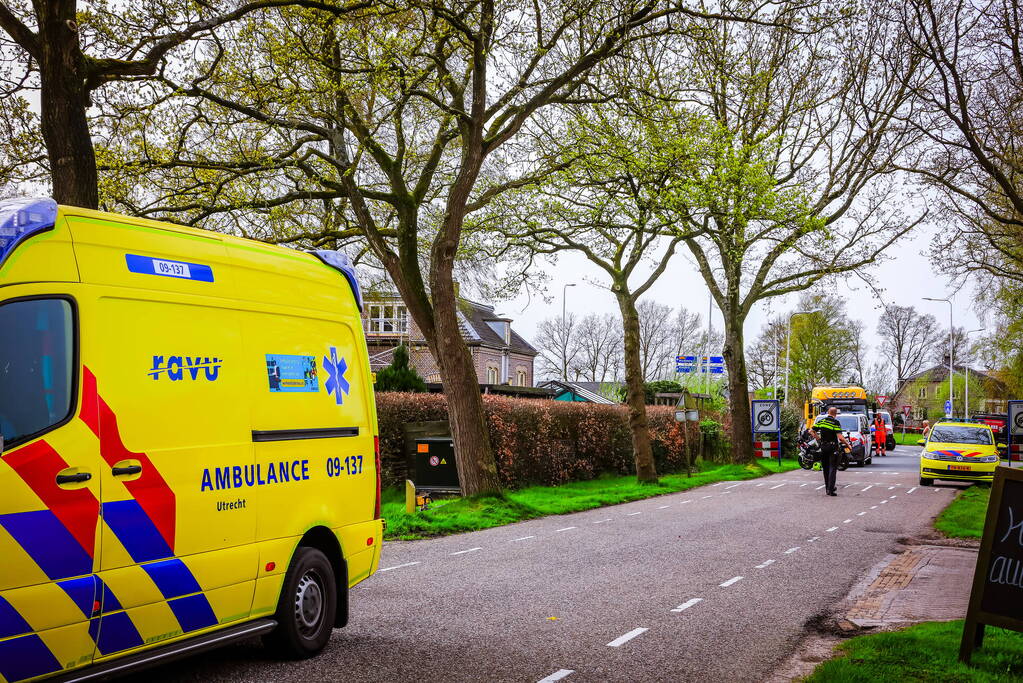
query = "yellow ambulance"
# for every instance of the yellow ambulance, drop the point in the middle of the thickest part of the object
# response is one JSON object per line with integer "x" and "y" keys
{"x": 189, "y": 447}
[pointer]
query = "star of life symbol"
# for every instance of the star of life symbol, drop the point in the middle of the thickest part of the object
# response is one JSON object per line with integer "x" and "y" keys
{"x": 336, "y": 382}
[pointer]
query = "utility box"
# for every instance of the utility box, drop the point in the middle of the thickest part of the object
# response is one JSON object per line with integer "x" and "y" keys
{"x": 430, "y": 453}
{"x": 435, "y": 468}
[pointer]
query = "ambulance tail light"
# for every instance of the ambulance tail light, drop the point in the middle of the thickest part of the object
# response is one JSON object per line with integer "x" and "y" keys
{"x": 376, "y": 449}
{"x": 23, "y": 217}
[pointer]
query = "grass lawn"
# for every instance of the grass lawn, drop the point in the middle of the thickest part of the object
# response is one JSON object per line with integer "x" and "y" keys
{"x": 964, "y": 517}
{"x": 909, "y": 439}
{"x": 470, "y": 514}
{"x": 926, "y": 652}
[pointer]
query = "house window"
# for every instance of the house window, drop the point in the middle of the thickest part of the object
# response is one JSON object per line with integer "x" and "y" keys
{"x": 385, "y": 318}
{"x": 491, "y": 375}
{"x": 922, "y": 393}
{"x": 521, "y": 378}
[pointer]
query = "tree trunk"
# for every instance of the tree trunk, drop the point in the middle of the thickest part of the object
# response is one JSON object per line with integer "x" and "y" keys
{"x": 646, "y": 471}
{"x": 477, "y": 469}
{"x": 64, "y": 101}
{"x": 738, "y": 389}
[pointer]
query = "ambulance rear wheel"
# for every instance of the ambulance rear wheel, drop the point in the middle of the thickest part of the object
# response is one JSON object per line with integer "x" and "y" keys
{"x": 308, "y": 604}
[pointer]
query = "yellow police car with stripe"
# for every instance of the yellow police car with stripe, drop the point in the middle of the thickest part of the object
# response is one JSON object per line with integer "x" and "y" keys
{"x": 189, "y": 448}
{"x": 958, "y": 451}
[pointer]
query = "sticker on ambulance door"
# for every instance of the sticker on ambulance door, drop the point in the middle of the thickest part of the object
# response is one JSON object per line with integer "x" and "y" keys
{"x": 292, "y": 373}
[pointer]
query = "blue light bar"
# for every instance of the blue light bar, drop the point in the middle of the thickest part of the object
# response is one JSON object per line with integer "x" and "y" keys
{"x": 23, "y": 217}
{"x": 341, "y": 262}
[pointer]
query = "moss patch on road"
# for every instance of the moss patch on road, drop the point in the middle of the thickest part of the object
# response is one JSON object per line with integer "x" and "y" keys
{"x": 964, "y": 516}
{"x": 471, "y": 514}
{"x": 925, "y": 652}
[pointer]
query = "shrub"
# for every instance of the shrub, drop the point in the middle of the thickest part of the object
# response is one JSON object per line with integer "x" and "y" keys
{"x": 538, "y": 442}
{"x": 399, "y": 375}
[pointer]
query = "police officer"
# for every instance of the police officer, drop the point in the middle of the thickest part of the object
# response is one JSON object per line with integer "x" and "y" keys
{"x": 828, "y": 430}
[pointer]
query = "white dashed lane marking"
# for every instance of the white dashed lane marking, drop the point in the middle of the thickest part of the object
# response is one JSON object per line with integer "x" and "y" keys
{"x": 729, "y": 582}
{"x": 767, "y": 563}
{"x": 663, "y": 507}
{"x": 869, "y": 487}
{"x": 621, "y": 640}
{"x": 601, "y": 521}
{"x": 873, "y": 507}
{"x": 524, "y": 538}
{"x": 846, "y": 521}
{"x": 567, "y": 528}
{"x": 911, "y": 490}
{"x": 819, "y": 487}
{"x": 778, "y": 486}
{"x": 463, "y": 552}
{"x": 631, "y": 514}
{"x": 791, "y": 550}
{"x": 687, "y": 604}
{"x": 399, "y": 566}
{"x": 833, "y": 528}
{"x": 706, "y": 497}
{"x": 733, "y": 486}
{"x": 860, "y": 514}
{"x": 811, "y": 540}
{"x": 557, "y": 675}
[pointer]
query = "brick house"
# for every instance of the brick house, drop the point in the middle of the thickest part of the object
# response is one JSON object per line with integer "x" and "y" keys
{"x": 501, "y": 355}
{"x": 926, "y": 391}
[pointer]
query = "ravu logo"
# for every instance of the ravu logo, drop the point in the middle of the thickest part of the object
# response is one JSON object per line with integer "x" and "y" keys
{"x": 176, "y": 367}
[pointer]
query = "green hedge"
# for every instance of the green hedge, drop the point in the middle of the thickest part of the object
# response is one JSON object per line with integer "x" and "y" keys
{"x": 540, "y": 442}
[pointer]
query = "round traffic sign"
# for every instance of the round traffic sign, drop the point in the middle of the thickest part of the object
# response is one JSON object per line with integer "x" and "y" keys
{"x": 434, "y": 460}
{"x": 765, "y": 417}
{"x": 1018, "y": 421}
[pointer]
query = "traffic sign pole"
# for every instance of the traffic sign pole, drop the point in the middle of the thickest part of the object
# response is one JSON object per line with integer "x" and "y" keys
{"x": 1015, "y": 425}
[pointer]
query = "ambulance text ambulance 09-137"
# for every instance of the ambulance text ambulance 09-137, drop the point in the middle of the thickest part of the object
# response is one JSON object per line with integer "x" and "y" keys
{"x": 189, "y": 444}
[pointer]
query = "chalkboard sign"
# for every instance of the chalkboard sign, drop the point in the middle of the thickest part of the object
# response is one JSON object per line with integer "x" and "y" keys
{"x": 997, "y": 596}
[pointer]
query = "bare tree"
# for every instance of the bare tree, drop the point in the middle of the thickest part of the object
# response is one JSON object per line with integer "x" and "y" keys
{"x": 657, "y": 337}
{"x": 766, "y": 354}
{"x": 908, "y": 339}
{"x": 687, "y": 335}
{"x": 558, "y": 340}
{"x": 600, "y": 349}
{"x": 967, "y": 110}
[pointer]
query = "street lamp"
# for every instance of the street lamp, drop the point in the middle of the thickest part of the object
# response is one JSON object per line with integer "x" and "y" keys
{"x": 788, "y": 345}
{"x": 564, "y": 334}
{"x": 966, "y": 404}
{"x": 950, "y": 328}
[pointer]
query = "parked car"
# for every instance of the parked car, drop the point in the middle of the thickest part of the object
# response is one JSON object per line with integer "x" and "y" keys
{"x": 959, "y": 451}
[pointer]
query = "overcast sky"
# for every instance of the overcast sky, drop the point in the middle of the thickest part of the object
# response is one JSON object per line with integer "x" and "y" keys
{"x": 905, "y": 277}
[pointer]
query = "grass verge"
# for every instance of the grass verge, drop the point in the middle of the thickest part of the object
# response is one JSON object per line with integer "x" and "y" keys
{"x": 909, "y": 439}
{"x": 964, "y": 516}
{"x": 925, "y": 652}
{"x": 471, "y": 514}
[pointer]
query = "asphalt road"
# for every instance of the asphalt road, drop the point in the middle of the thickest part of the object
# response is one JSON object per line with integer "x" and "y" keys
{"x": 714, "y": 584}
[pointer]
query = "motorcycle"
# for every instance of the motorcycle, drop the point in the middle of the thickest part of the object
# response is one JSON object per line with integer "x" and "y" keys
{"x": 810, "y": 452}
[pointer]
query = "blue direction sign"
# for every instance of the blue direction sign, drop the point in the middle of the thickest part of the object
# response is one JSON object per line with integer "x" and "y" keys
{"x": 714, "y": 365}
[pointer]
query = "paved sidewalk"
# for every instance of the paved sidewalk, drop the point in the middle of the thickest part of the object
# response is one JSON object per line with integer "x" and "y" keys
{"x": 928, "y": 581}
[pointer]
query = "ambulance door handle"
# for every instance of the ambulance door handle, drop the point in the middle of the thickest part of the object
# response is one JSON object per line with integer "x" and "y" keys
{"x": 127, "y": 470}
{"x": 76, "y": 478}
